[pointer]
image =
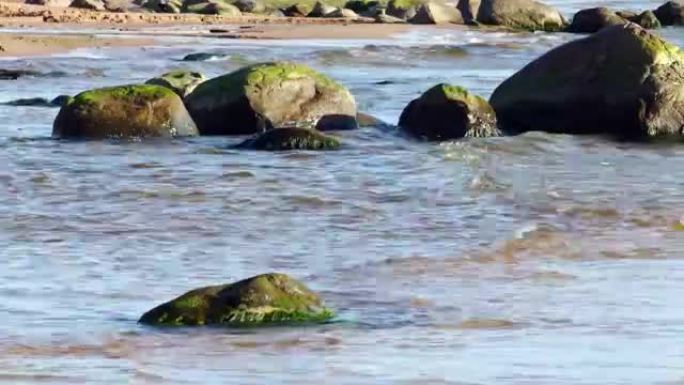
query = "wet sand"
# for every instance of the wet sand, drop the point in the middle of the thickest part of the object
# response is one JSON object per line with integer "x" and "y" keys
{"x": 32, "y": 45}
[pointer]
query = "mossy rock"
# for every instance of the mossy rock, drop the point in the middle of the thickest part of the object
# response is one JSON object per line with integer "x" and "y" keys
{"x": 647, "y": 19}
{"x": 124, "y": 111}
{"x": 321, "y": 9}
{"x": 291, "y": 138}
{"x": 250, "y": 6}
{"x": 436, "y": 13}
{"x": 93, "y": 5}
{"x": 180, "y": 81}
{"x": 298, "y": 10}
{"x": 623, "y": 81}
{"x": 263, "y": 300}
{"x": 595, "y": 19}
{"x": 403, "y": 9}
{"x": 526, "y": 15}
{"x": 446, "y": 112}
{"x": 264, "y": 96}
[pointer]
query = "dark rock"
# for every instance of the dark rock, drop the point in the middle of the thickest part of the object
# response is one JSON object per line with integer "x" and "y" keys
{"x": 61, "y": 100}
{"x": 528, "y": 15}
{"x": 93, "y": 5}
{"x": 361, "y": 6}
{"x": 447, "y": 112}
{"x": 30, "y": 102}
{"x": 291, "y": 138}
{"x": 202, "y": 56}
{"x": 321, "y": 10}
{"x": 468, "y": 9}
{"x": 269, "y": 299}
{"x": 403, "y": 9}
{"x": 6, "y": 74}
{"x": 180, "y": 81}
{"x": 297, "y": 10}
{"x": 621, "y": 81}
{"x": 214, "y": 7}
{"x": 594, "y": 19}
{"x": 270, "y": 95}
{"x": 671, "y": 13}
{"x": 124, "y": 111}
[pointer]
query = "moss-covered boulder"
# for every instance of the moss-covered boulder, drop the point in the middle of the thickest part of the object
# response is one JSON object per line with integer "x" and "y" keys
{"x": 291, "y": 138}
{"x": 436, "y": 13}
{"x": 321, "y": 9}
{"x": 447, "y": 112}
{"x": 595, "y": 19}
{"x": 179, "y": 81}
{"x": 297, "y": 10}
{"x": 264, "y": 96}
{"x": 528, "y": 15}
{"x": 263, "y": 300}
{"x": 671, "y": 13}
{"x": 646, "y": 19}
{"x": 124, "y": 111}
{"x": 622, "y": 81}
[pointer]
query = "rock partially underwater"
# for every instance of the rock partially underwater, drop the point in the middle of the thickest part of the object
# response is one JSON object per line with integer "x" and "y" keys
{"x": 124, "y": 111}
{"x": 290, "y": 138}
{"x": 264, "y": 96}
{"x": 622, "y": 81}
{"x": 447, "y": 112}
{"x": 263, "y": 300}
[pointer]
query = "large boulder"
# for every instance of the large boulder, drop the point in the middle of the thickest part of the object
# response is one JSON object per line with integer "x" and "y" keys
{"x": 181, "y": 82}
{"x": 622, "y": 81}
{"x": 671, "y": 13}
{"x": 447, "y": 112}
{"x": 291, "y": 138}
{"x": 297, "y": 10}
{"x": 528, "y": 15}
{"x": 436, "y": 13}
{"x": 263, "y": 300}
{"x": 124, "y": 111}
{"x": 264, "y": 96}
{"x": 594, "y": 19}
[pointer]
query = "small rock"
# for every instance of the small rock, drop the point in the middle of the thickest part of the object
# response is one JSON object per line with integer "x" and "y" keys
{"x": 201, "y": 56}
{"x": 403, "y": 9}
{"x": 61, "y": 100}
{"x": 30, "y": 102}
{"x": 268, "y": 299}
{"x": 387, "y": 19}
{"x": 6, "y": 74}
{"x": 250, "y": 6}
{"x": 297, "y": 10}
{"x": 93, "y": 5}
{"x": 321, "y": 10}
{"x": 448, "y": 112}
{"x": 180, "y": 81}
{"x": 343, "y": 13}
{"x": 647, "y": 19}
{"x": 528, "y": 15}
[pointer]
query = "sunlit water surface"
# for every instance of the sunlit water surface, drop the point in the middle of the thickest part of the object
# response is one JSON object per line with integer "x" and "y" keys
{"x": 538, "y": 259}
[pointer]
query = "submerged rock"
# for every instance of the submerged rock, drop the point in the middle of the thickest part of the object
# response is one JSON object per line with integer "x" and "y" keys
{"x": 435, "y": 13}
{"x": 594, "y": 19}
{"x": 6, "y": 74}
{"x": 30, "y": 102}
{"x": 623, "y": 81}
{"x": 291, "y": 138}
{"x": 201, "y": 56}
{"x": 124, "y": 111}
{"x": 179, "y": 81}
{"x": 264, "y": 96}
{"x": 61, "y": 100}
{"x": 528, "y": 15}
{"x": 671, "y": 13}
{"x": 263, "y": 300}
{"x": 447, "y": 112}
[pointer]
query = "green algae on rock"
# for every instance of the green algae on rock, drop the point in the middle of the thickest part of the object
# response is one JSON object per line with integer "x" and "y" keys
{"x": 447, "y": 112}
{"x": 291, "y": 138}
{"x": 264, "y": 96}
{"x": 527, "y": 15}
{"x": 623, "y": 81}
{"x": 263, "y": 300}
{"x": 124, "y": 111}
{"x": 180, "y": 81}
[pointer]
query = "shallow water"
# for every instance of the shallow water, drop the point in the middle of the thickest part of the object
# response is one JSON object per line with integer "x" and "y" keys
{"x": 538, "y": 259}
